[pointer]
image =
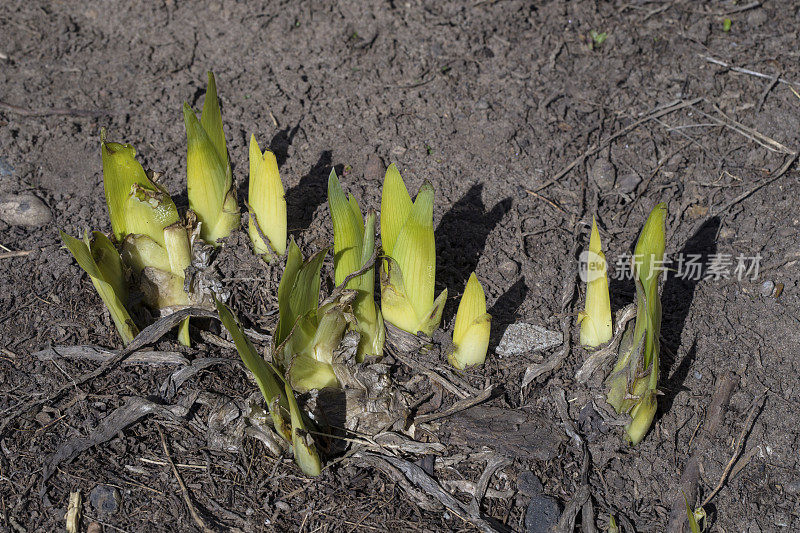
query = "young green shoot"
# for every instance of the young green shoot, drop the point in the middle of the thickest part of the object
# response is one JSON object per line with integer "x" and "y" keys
{"x": 595, "y": 319}
{"x": 101, "y": 261}
{"x": 208, "y": 171}
{"x": 634, "y": 380}
{"x": 472, "y": 328}
{"x": 353, "y": 247}
{"x": 266, "y": 203}
{"x": 409, "y": 268}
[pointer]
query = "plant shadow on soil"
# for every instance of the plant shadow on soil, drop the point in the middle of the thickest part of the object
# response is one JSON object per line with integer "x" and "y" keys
{"x": 461, "y": 238}
{"x": 504, "y": 312}
{"x": 677, "y": 300}
{"x": 303, "y": 199}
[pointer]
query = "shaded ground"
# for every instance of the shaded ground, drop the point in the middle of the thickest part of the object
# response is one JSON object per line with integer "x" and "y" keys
{"x": 488, "y": 100}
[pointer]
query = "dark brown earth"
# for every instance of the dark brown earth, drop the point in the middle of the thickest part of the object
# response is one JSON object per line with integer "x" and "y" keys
{"x": 487, "y": 99}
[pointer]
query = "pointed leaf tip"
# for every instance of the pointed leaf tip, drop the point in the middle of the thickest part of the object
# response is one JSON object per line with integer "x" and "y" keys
{"x": 395, "y": 206}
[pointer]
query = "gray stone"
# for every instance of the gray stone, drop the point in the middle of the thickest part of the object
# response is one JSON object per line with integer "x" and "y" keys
{"x": 522, "y": 337}
{"x": 508, "y": 269}
{"x": 104, "y": 499}
{"x": 628, "y": 183}
{"x": 24, "y": 210}
{"x": 603, "y": 173}
{"x": 542, "y": 514}
{"x": 767, "y": 288}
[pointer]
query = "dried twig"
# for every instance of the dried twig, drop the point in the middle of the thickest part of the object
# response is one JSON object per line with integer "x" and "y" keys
{"x": 746, "y": 131}
{"x": 691, "y": 471}
{"x": 134, "y": 409}
{"x": 755, "y": 408}
{"x": 745, "y": 71}
{"x": 431, "y": 373}
{"x": 417, "y": 476}
{"x": 654, "y": 113}
{"x": 197, "y": 518}
{"x": 460, "y": 405}
{"x": 560, "y": 400}
{"x": 148, "y": 335}
{"x": 15, "y": 253}
{"x": 781, "y": 171}
{"x": 99, "y": 354}
{"x": 566, "y": 524}
{"x": 494, "y": 463}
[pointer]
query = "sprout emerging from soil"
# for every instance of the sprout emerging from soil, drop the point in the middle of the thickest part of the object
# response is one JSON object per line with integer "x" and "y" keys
{"x": 307, "y": 334}
{"x": 266, "y": 203}
{"x": 473, "y": 325}
{"x": 101, "y": 261}
{"x": 353, "y": 247}
{"x": 409, "y": 268}
{"x": 155, "y": 244}
{"x": 208, "y": 170}
{"x": 633, "y": 381}
{"x": 278, "y": 395}
{"x": 595, "y": 319}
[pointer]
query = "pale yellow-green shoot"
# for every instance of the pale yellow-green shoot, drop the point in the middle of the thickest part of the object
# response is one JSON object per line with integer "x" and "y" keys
{"x": 409, "y": 270}
{"x": 155, "y": 244}
{"x": 353, "y": 247}
{"x": 269, "y": 382}
{"x": 306, "y": 336}
{"x": 101, "y": 261}
{"x": 472, "y": 329}
{"x": 136, "y": 204}
{"x": 208, "y": 171}
{"x": 278, "y": 394}
{"x": 395, "y": 207}
{"x": 305, "y": 451}
{"x": 267, "y": 204}
{"x": 634, "y": 379}
{"x": 595, "y": 319}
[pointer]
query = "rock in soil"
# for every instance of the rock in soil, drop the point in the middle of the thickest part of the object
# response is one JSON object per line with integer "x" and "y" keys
{"x": 522, "y": 338}
{"x": 24, "y": 210}
{"x": 104, "y": 499}
{"x": 542, "y": 514}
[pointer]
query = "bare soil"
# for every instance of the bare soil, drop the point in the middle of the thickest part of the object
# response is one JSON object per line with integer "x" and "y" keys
{"x": 489, "y": 100}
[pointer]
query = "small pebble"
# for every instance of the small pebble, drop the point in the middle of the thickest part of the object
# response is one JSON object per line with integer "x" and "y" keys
{"x": 522, "y": 337}
{"x": 767, "y": 288}
{"x": 628, "y": 183}
{"x": 94, "y": 527}
{"x": 508, "y": 269}
{"x": 24, "y": 210}
{"x": 603, "y": 173}
{"x": 104, "y": 499}
{"x": 542, "y": 514}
